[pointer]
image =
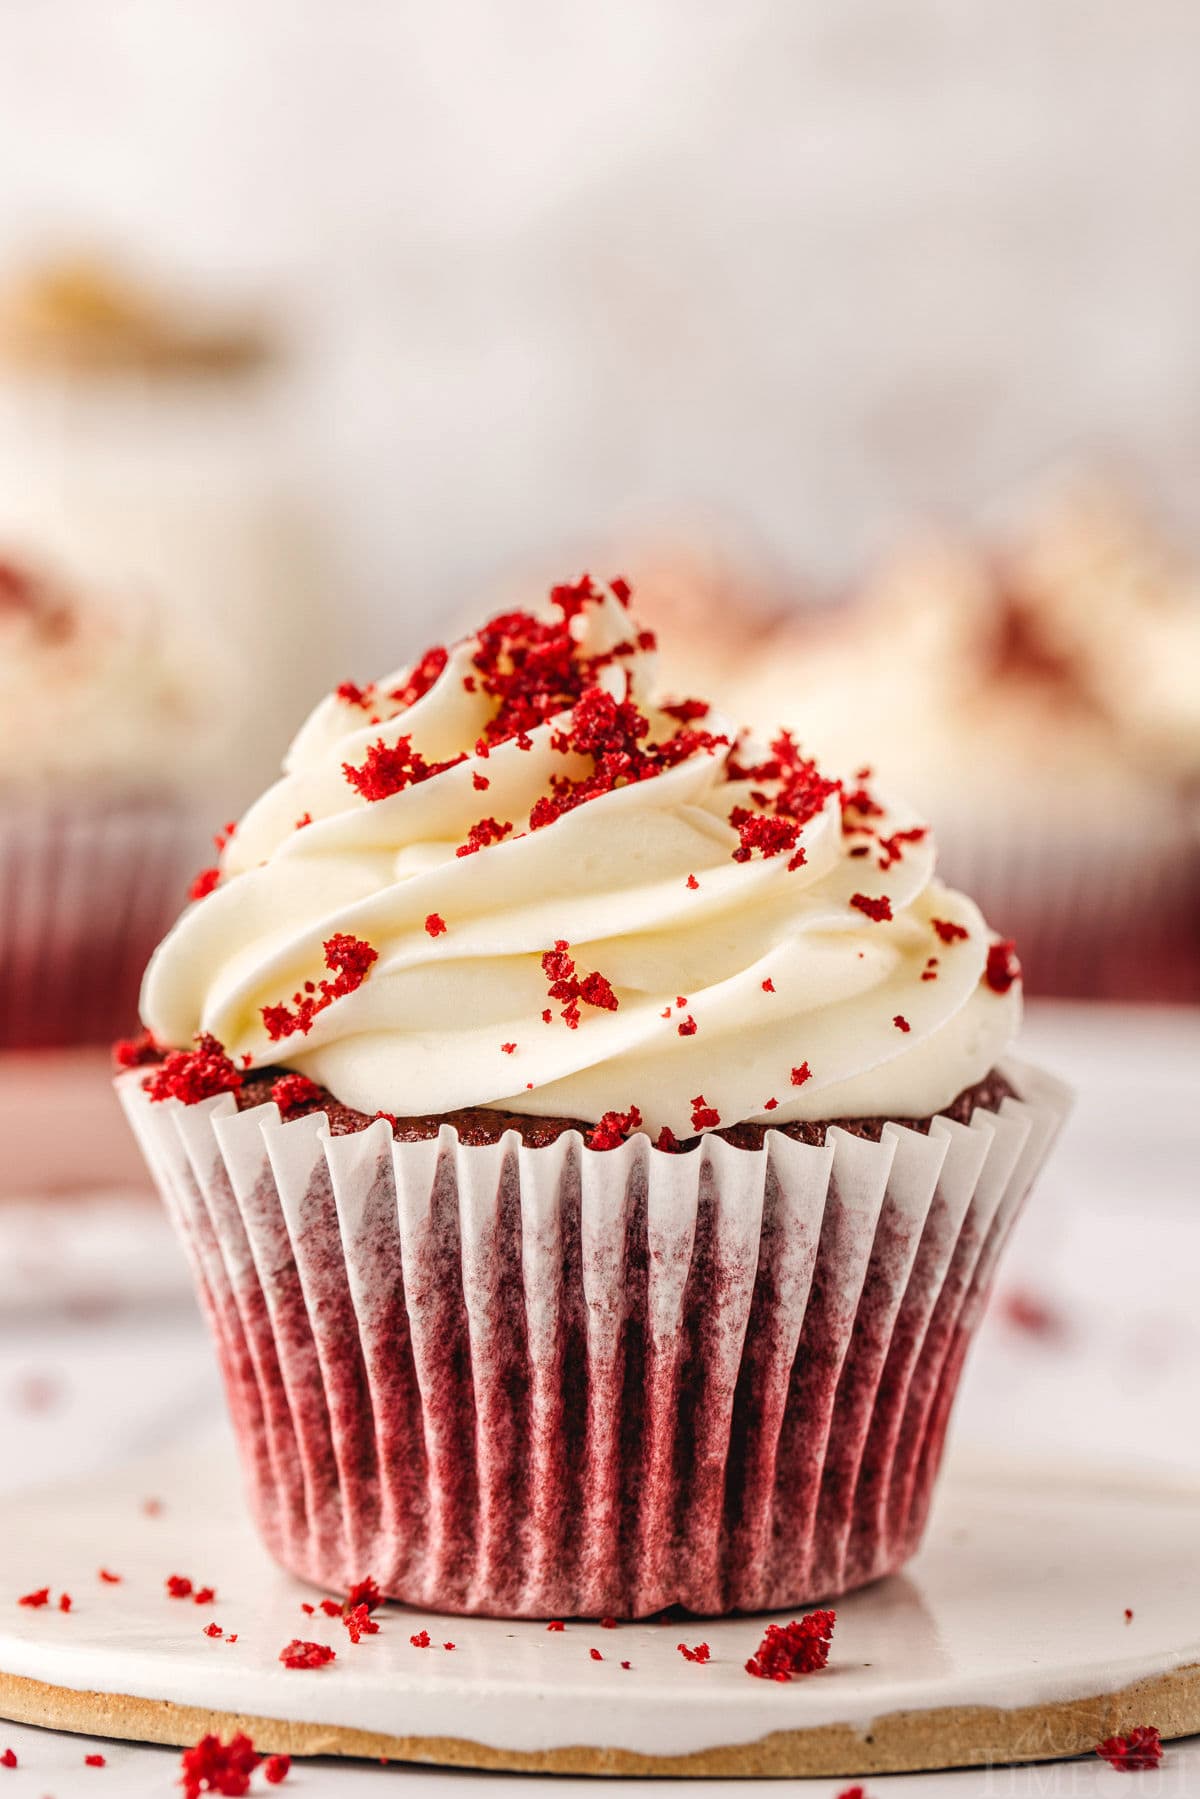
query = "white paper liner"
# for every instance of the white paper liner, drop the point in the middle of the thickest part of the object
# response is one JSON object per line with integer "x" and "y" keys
{"x": 564, "y": 1382}
{"x": 86, "y": 891}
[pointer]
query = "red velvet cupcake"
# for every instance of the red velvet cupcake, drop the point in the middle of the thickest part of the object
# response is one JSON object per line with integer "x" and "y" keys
{"x": 595, "y": 1143}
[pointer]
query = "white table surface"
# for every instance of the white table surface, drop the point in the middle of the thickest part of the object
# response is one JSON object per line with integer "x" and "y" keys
{"x": 1108, "y": 1253}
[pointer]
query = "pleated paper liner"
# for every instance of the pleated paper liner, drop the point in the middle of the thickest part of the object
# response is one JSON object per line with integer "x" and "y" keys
{"x": 86, "y": 891}
{"x": 562, "y": 1382}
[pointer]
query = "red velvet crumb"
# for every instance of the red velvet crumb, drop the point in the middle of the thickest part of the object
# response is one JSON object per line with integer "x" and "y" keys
{"x": 666, "y": 1140}
{"x": 769, "y": 1105}
{"x": 595, "y": 1655}
{"x": 276, "y": 1769}
{"x": 110, "y": 1580}
{"x": 487, "y": 831}
{"x": 388, "y": 768}
{"x": 701, "y": 1652}
{"x": 35, "y": 1600}
{"x": 1002, "y": 966}
{"x": 349, "y": 959}
{"x": 203, "y": 883}
{"x": 365, "y": 1592}
{"x": 611, "y": 1131}
{"x": 64, "y": 1602}
{"x": 768, "y": 985}
{"x": 693, "y": 883}
{"x": 948, "y": 931}
{"x": 94, "y": 1761}
{"x": 135, "y": 1052}
{"x": 556, "y": 1624}
{"x": 593, "y": 989}
{"x": 800, "y": 1647}
{"x": 801, "y": 1074}
{"x": 213, "y": 1630}
{"x": 688, "y": 1027}
{"x": 704, "y": 1116}
{"x": 297, "y": 1654}
{"x": 8, "y": 1759}
{"x": 878, "y": 910}
{"x": 216, "y": 1767}
{"x": 421, "y": 1640}
{"x": 435, "y": 924}
{"x": 291, "y": 1091}
{"x": 359, "y": 1623}
{"x": 1137, "y": 1751}
{"x": 178, "y": 1586}
{"x": 901, "y": 1023}
{"x": 191, "y": 1075}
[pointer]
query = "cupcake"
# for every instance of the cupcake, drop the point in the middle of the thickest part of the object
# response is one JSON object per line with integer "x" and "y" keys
{"x": 1061, "y": 665}
{"x": 96, "y": 839}
{"x": 593, "y": 1135}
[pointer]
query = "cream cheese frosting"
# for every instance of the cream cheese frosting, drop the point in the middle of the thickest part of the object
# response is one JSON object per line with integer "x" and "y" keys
{"x": 509, "y": 878}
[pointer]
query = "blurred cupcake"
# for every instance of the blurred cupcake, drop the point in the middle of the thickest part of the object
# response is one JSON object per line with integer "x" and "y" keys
{"x": 96, "y": 838}
{"x": 149, "y": 444}
{"x": 1064, "y": 680}
{"x": 593, "y": 1138}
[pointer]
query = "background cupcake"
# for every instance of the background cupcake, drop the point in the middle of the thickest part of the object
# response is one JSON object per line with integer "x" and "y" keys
{"x": 1059, "y": 665}
{"x": 99, "y": 719}
{"x": 593, "y": 1138}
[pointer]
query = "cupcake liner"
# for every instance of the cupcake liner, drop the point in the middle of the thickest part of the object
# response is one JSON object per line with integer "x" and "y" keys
{"x": 1101, "y": 906}
{"x": 564, "y": 1382}
{"x": 86, "y": 892}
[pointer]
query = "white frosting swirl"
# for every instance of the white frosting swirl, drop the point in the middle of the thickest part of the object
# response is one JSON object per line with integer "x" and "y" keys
{"x": 776, "y": 966}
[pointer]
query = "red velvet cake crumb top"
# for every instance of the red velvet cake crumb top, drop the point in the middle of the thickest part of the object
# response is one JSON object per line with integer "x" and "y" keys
{"x": 800, "y": 1647}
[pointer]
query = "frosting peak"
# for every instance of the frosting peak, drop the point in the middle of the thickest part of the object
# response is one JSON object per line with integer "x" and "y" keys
{"x": 509, "y": 876}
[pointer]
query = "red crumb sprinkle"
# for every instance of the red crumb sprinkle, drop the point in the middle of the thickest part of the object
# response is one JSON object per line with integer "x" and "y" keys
{"x": 110, "y": 1580}
{"x": 354, "y": 695}
{"x": 700, "y": 1653}
{"x": 191, "y": 1075}
{"x": 213, "y": 1630}
{"x": 1002, "y": 966}
{"x": 203, "y": 883}
{"x": 1027, "y": 1311}
{"x": 212, "y": 1766}
{"x": 800, "y": 1647}
{"x": 389, "y": 1117}
{"x": 687, "y": 711}
{"x": 769, "y": 1105}
{"x": 331, "y": 1608}
{"x": 556, "y": 1624}
{"x": 94, "y": 1761}
{"x": 276, "y": 1769}
{"x": 152, "y": 1508}
{"x": 135, "y": 1052}
{"x": 688, "y": 1027}
{"x": 704, "y": 1116}
{"x": 309, "y": 1610}
{"x": 901, "y": 1023}
{"x": 510, "y": 1049}
{"x": 178, "y": 1586}
{"x": 801, "y": 1074}
{"x": 232, "y": 1638}
{"x": 422, "y": 677}
{"x": 204, "y": 1595}
{"x": 1129, "y": 1614}
{"x": 693, "y": 883}
{"x": 349, "y": 960}
{"x": 421, "y": 1640}
{"x": 435, "y": 925}
{"x": 8, "y": 1759}
{"x": 480, "y": 782}
{"x": 1138, "y": 1750}
{"x": 611, "y": 1131}
{"x": 64, "y": 1602}
{"x": 608, "y": 1624}
{"x": 565, "y": 984}
{"x": 768, "y": 985}
{"x": 365, "y": 1592}
{"x": 595, "y": 1655}
{"x": 291, "y": 1091}
{"x": 298, "y": 1654}
{"x": 389, "y": 768}
{"x": 666, "y": 1140}
{"x": 855, "y": 1792}
{"x": 35, "y": 1600}
{"x": 948, "y": 931}
{"x": 627, "y": 1664}
{"x": 487, "y": 831}
{"x": 448, "y": 1645}
{"x": 305, "y": 818}
{"x": 878, "y": 910}
{"x": 359, "y": 1623}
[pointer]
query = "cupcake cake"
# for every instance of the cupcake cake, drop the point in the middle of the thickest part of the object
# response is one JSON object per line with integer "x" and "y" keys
{"x": 96, "y": 841}
{"x": 1059, "y": 664}
{"x": 593, "y": 1133}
